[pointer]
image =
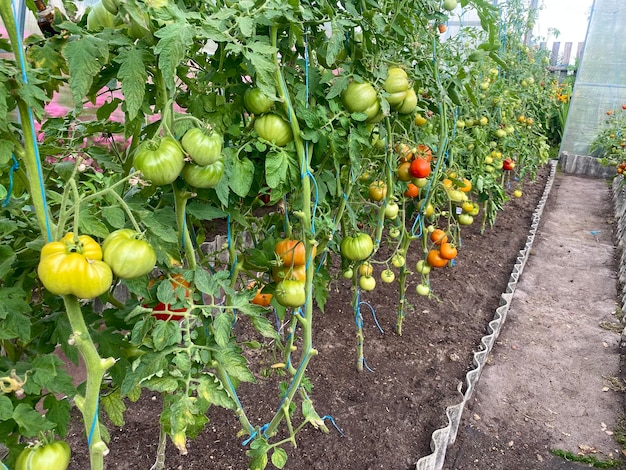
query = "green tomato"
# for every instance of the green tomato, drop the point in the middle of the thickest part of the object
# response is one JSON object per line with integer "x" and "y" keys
{"x": 203, "y": 177}
{"x": 449, "y": 5}
{"x": 127, "y": 254}
{"x": 357, "y": 248}
{"x": 409, "y": 103}
{"x": 348, "y": 273}
{"x": 361, "y": 98}
{"x": 422, "y": 289}
{"x": 398, "y": 260}
{"x": 391, "y": 210}
{"x": 466, "y": 219}
{"x": 203, "y": 148}
{"x": 52, "y": 456}
{"x": 387, "y": 276}
{"x": 111, "y": 6}
{"x": 290, "y": 293}
{"x": 397, "y": 81}
{"x": 99, "y": 17}
{"x": 160, "y": 160}
{"x": 367, "y": 283}
{"x": 74, "y": 267}
{"x": 256, "y": 102}
{"x": 394, "y": 232}
{"x": 422, "y": 267}
{"x": 273, "y": 128}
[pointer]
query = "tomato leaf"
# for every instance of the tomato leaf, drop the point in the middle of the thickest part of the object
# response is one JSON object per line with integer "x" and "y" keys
{"x": 279, "y": 457}
{"x": 211, "y": 390}
{"x": 84, "y": 57}
{"x": 222, "y": 328}
{"x": 165, "y": 333}
{"x": 242, "y": 176}
{"x": 114, "y": 216}
{"x": 234, "y": 363}
{"x": 174, "y": 40}
{"x": 281, "y": 168}
{"x": 7, "y": 257}
{"x": 30, "y": 421}
{"x": 12, "y": 309}
{"x": 49, "y": 373}
{"x": 133, "y": 75}
{"x": 6, "y": 408}
{"x": 114, "y": 407}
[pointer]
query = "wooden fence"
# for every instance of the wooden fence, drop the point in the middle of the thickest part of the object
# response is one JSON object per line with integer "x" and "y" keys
{"x": 560, "y": 61}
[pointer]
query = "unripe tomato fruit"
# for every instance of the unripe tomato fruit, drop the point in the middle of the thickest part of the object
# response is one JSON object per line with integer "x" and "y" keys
{"x": 422, "y": 267}
{"x": 99, "y": 17}
{"x": 357, "y": 248}
{"x": 256, "y": 102}
{"x": 52, "y": 456}
{"x": 409, "y": 103}
{"x": 68, "y": 267}
{"x": 465, "y": 219}
{"x": 203, "y": 148}
{"x": 422, "y": 289}
{"x": 366, "y": 269}
{"x": 127, "y": 254}
{"x": 290, "y": 293}
{"x": 367, "y": 283}
{"x": 397, "y": 80}
{"x": 359, "y": 97}
{"x": 160, "y": 160}
{"x": 273, "y": 128}
{"x": 387, "y": 276}
{"x": 403, "y": 172}
{"x": 398, "y": 260}
{"x": 391, "y": 210}
{"x": 203, "y": 177}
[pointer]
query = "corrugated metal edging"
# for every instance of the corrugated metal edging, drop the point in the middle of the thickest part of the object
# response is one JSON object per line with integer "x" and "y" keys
{"x": 444, "y": 437}
{"x": 619, "y": 207}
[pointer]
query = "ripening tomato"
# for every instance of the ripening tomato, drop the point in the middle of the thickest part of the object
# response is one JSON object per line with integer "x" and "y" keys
{"x": 262, "y": 299}
{"x": 447, "y": 250}
{"x": 423, "y": 151}
{"x": 377, "y": 190}
{"x": 51, "y": 456}
{"x": 74, "y": 267}
{"x": 204, "y": 148}
{"x": 296, "y": 273}
{"x": 292, "y": 252}
{"x": 128, "y": 255}
{"x": 465, "y": 219}
{"x": 435, "y": 260}
{"x": 387, "y": 276}
{"x": 273, "y": 128}
{"x": 412, "y": 191}
{"x": 467, "y": 186}
{"x": 182, "y": 290}
{"x": 438, "y": 236}
{"x": 160, "y": 160}
{"x": 290, "y": 293}
{"x": 403, "y": 172}
{"x": 366, "y": 269}
{"x": 420, "y": 168}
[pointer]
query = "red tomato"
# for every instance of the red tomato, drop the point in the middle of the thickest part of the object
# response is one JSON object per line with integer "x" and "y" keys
{"x": 420, "y": 168}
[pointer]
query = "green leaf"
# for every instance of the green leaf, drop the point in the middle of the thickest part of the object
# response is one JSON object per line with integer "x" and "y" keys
{"x": 115, "y": 216}
{"x": 85, "y": 57}
{"x": 162, "y": 384}
{"x": 133, "y": 75}
{"x": 166, "y": 333}
{"x": 6, "y": 146}
{"x": 174, "y": 41}
{"x": 6, "y": 408}
{"x": 222, "y": 326}
{"x": 114, "y": 407}
{"x": 149, "y": 365}
{"x": 7, "y": 257}
{"x": 49, "y": 373}
{"x": 279, "y": 457}
{"x": 234, "y": 363}
{"x": 211, "y": 390}
{"x": 4, "y": 108}
{"x": 203, "y": 211}
{"x": 280, "y": 168}
{"x": 30, "y": 421}
{"x": 258, "y": 454}
{"x": 92, "y": 225}
{"x": 13, "y": 306}
{"x": 246, "y": 25}
{"x": 242, "y": 176}
{"x": 320, "y": 289}
{"x": 58, "y": 412}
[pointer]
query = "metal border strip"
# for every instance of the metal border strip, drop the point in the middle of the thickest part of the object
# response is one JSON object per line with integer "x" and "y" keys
{"x": 443, "y": 438}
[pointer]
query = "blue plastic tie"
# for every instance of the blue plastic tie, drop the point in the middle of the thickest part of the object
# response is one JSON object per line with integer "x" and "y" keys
{"x": 93, "y": 424}
{"x": 13, "y": 169}
{"x": 366, "y": 366}
{"x": 4, "y": 467}
{"x": 373, "y": 315}
{"x": 332, "y": 420}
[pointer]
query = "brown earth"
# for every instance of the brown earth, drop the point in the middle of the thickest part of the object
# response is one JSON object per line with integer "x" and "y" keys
{"x": 387, "y": 414}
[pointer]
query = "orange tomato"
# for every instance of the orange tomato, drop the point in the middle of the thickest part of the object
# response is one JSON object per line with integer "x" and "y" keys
{"x": 467, "y": 186}
{"x": 447, "y": 250}
{"x": 438, "y": 236}
{"x": 295, "y": 273}
{"x": 420, "y": 168}
{"x": 292, "y": 252}
{"x": 423, "y": 151}
{"x": 262, "y": 299}
{"x": 435, "y": 259}
{"x": 412, "y": 191}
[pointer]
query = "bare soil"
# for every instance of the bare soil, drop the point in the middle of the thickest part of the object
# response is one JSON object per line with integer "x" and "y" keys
{"x": 386, "y": 414}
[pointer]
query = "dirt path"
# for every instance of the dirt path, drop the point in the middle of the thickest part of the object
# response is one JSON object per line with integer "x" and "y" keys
{"x": 551, "y": 380}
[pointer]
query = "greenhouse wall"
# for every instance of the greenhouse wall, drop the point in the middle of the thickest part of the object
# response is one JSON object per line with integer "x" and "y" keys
{"x": 600, "y": 87}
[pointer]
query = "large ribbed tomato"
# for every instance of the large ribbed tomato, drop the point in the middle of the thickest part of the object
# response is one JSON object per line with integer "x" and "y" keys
{"x": 160, "y": 160}
{"x": 273, "y": 128}
{"x": 203, "y": 177}
{"x": 128, "y": 255}
{"x": 358, "y": 247}
{"x": 74, "y": 266}
{"x": 204, "y": 147}
{"x": 51, "y": 456}
{"x": 291, "y": 293}
{"x": 256, "y": 102}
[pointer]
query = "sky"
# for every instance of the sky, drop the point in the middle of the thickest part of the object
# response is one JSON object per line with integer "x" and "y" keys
{"x": 570, "y": 17}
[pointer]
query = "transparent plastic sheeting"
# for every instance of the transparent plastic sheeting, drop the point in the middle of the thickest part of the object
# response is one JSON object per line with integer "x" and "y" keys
{"x": 600, "y": 83}
{"x": 444, "y": 437}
